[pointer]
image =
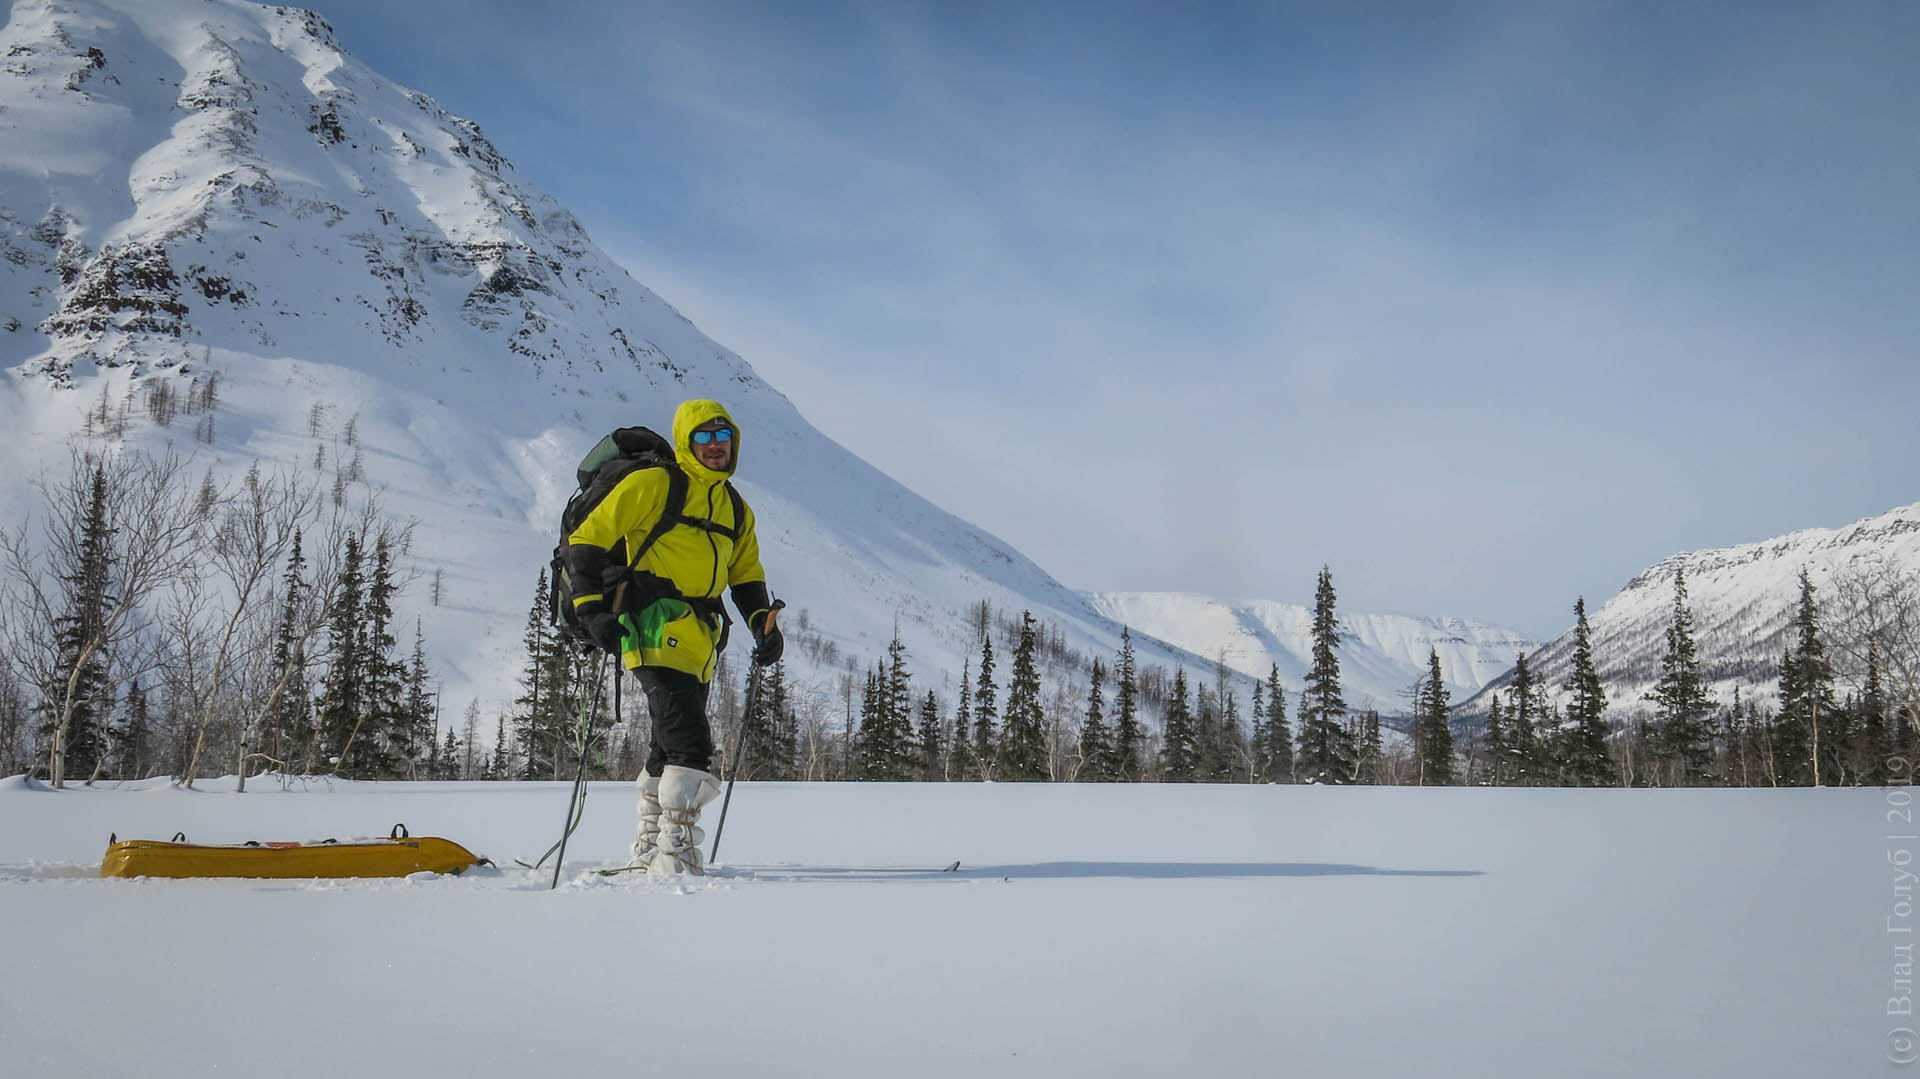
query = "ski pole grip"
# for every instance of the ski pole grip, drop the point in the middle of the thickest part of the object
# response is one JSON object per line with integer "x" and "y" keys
{"x": 773, "y": 614}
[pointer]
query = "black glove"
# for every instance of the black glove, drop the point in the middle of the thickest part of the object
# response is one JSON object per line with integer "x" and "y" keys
{"x": 768, "y": 644}
{"x": 606, "y": 631}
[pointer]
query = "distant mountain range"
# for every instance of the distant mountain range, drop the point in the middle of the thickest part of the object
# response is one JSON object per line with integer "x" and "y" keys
{"x": 1380, "y": 654}
{"x": 1743, "y": 601}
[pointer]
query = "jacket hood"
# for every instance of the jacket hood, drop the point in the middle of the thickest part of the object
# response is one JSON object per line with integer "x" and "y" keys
{"x": 690, "y": 415}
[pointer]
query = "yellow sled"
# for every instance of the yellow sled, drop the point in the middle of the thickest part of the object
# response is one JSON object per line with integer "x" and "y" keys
{"x": 396, "y": 856}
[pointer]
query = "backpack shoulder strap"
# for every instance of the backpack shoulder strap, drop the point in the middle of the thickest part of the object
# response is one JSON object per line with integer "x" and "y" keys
{"x": 739, "y": 511}
{"x": 670, "y": 513}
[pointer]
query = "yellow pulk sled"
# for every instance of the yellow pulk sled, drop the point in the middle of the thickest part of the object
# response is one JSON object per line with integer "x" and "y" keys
{"x": 395, "y": 856}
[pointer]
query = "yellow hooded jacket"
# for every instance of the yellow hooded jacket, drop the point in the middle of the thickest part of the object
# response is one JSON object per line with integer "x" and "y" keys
{"x": 700, "y": 563}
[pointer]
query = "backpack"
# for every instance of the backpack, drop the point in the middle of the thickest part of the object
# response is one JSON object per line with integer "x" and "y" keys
{"x": 620, "y": 454}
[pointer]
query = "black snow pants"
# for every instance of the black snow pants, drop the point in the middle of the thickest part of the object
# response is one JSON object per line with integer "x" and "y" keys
{"x": 681, "y": 733}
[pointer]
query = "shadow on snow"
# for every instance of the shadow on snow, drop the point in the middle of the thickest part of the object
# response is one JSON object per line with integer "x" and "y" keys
{"x": 1100, "y": 870}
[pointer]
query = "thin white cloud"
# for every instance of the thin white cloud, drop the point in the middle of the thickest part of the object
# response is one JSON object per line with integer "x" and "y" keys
{"x": 1486, "y": 323}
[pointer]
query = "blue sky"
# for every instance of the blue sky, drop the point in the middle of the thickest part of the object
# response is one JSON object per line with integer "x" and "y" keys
{"x": 1487, "y": 306}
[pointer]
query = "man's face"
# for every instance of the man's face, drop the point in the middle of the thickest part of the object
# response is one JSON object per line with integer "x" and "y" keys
{"x": 717, "y": 452}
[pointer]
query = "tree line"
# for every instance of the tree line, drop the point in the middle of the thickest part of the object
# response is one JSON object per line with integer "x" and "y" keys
{"x": 1207, "y": 731}
{"x": 1055, "y": 716}
{"x": 1814, "y": 736}
{"x": 159, "y": 624}
{"x": 162, "y": 623}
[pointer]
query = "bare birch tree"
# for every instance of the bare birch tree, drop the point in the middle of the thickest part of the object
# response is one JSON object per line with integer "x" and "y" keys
{"x": 1876, "y": 607}
{"x": 154, "y": 528}
{"x": 223, "y": 610}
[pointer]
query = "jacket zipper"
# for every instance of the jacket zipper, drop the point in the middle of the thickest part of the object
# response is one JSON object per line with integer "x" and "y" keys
{"x": 713, "y": 545}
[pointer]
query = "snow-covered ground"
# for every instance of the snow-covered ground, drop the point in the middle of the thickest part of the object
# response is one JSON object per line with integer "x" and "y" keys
{"x": 1134, "y": 930}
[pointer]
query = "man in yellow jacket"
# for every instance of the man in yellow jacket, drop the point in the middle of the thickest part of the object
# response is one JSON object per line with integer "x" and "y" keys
{"x": 662, "y": 615}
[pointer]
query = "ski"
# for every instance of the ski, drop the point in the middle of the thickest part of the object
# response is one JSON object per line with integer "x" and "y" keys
{"x": 953, "y": 867}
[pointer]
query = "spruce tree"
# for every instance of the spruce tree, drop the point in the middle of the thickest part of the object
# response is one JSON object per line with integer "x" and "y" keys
{"x": 135, "y": 735}
{"x": 1871, "y": 746}
{"x": 960, "y": 761}
{"x": 1326, "y": 753}
{"x": 1584, "y": 753}
{"x": 1682, "y": 740}
{"x": 422, "y": 745}
{"x": 1807, "y": 707}
{"x": 770, "y": 739}
{"x": 501, "y": 766}
{"x": 1233, "y": 751}
{"x": 1495, "y": 740}
{"x": 884, "y": 747}
{"x": 1259, "y": 761}
{"x": 363, "y": 713}
{"x": 382, "y": 737}
{"x": 535, "y": 716}
{"x": 786, "y": 739}
{"x": 1127, "y": 735}
{"x": 1433, "y": 738}
{"x": 933, "y": 763}
{"x": 985, "y": 711}
{"x": 1021, "y": 755}
{"x": 79, "y": 697}
{"x": 1179, "y": 756}
{"x": 446, "y": 757}
{"x": 344, "y": 694}
{"x": 1743, "y": 752}
{"x": 1838, "y": 742}
{"x": 1279, "y": 743}
{"x": 902, "y": 752}
{"x": 755, "y": 757}
{"x": 869, "y": 756}
{"x": 1208, "y": 751}
{"x": 1789, "y": 749}
{"x": 1096, "y": 746}
{"x": 287, "y": 725}
{"x": 1525, "y": 759}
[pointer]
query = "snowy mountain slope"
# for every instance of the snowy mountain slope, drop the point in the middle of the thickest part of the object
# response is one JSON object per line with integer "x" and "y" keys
{"x": 201, "y": 187}
{"x": 1380, "y": 654}
{"x": 1743, "y": 600}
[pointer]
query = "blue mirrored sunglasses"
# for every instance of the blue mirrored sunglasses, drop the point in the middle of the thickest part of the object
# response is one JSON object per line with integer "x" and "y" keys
{"x": 724, "y": 434}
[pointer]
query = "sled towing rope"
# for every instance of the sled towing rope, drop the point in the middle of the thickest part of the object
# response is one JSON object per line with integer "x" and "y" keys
{"x": 754, "y": 678}
{"x": 577, "y": 801}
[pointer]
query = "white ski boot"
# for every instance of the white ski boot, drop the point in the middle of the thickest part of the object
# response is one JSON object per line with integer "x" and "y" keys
{"x": 683, "y": 791}
{"x": 647, "y": 842}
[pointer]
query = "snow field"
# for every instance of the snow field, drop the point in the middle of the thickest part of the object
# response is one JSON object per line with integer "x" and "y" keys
{"x": 1135, "y": 930}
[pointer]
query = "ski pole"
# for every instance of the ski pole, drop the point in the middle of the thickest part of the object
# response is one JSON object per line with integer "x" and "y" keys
{"x": 754, "y": 678}
{"x": 577, "y": 803}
